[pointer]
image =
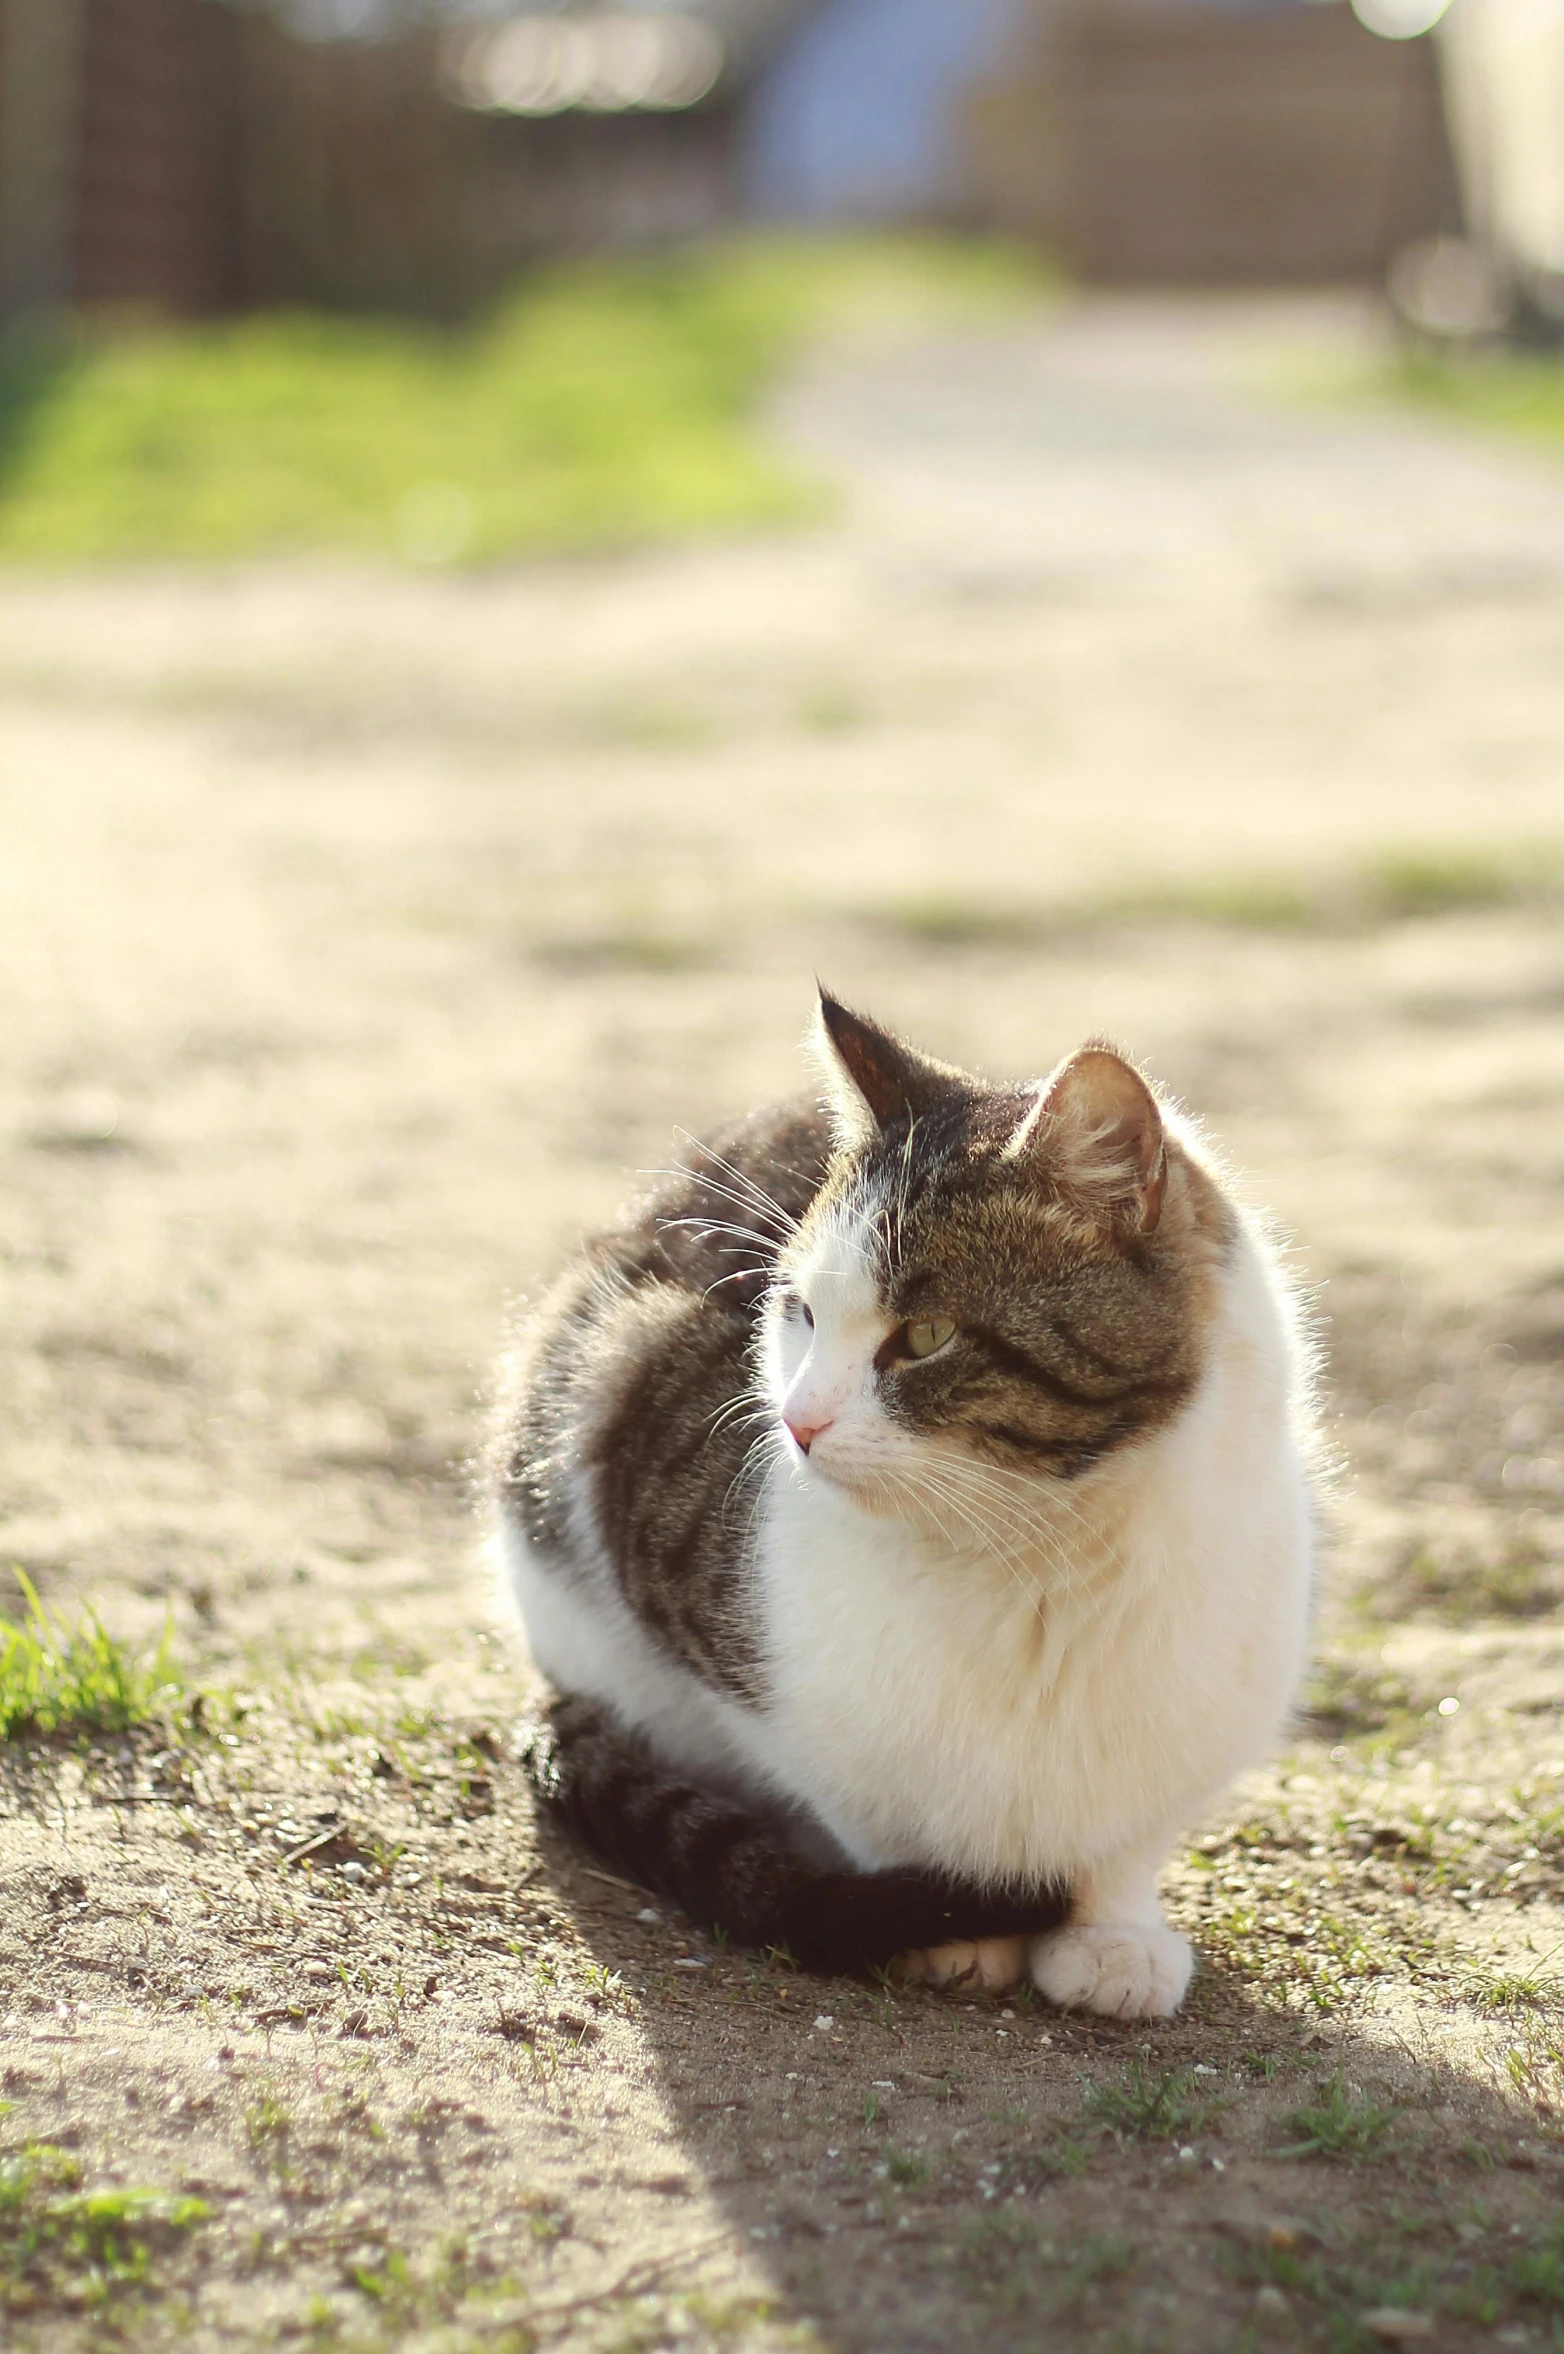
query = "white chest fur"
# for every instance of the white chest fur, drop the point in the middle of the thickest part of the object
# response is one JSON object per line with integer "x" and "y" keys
{"x": 935, "y": 1706}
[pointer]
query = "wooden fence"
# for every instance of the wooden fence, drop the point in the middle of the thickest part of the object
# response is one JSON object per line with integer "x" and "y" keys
{"x": 189, "y": 157}
{"x": 1147, "y": 142}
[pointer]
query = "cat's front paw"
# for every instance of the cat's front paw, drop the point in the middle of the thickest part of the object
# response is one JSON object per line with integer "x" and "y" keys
{"x": 983, "y": 1965}
{"x": 1123, "y": 1973}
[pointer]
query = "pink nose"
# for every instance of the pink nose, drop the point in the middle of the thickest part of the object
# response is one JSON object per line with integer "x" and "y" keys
{"x": 804, "y": 1434}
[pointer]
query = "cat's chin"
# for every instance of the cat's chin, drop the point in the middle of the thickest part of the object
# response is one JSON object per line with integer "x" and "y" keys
{"x": 869, "y": 1490}
{"x": 880, "y": 1494}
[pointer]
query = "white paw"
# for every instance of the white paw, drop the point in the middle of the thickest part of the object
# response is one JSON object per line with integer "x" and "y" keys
{"x": 1124, "y": 1973}
{"x": 986, "y": 1965}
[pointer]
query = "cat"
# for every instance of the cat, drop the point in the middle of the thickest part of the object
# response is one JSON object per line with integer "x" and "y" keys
{"x": 911, "y": 1504}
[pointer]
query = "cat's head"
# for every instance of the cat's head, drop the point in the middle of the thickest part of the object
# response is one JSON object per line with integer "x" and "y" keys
{"x": 995, "y": 1284}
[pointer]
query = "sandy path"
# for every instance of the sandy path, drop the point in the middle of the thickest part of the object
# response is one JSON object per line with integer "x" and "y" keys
{"x": 362, "y": 932}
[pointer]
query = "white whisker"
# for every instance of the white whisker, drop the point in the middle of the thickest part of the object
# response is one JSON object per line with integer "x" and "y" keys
{"x": 702, "y": 1228}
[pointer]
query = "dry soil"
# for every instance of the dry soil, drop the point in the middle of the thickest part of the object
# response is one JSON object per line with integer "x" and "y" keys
{"x": 362, "y": 936}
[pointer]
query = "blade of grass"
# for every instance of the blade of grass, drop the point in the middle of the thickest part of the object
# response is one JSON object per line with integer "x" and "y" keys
{"x": 58, "y": 1678}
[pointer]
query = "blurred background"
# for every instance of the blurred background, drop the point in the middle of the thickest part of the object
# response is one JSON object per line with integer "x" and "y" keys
{"x": 528, "y": 531}
{"x": 197, "y": 157}
{"x": 588, "y": 200}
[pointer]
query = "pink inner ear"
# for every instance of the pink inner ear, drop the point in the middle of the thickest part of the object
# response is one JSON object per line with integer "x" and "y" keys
{"x": 1103, "y": 1123}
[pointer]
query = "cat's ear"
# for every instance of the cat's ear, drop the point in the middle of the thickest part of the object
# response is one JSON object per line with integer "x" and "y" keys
{"x": 872, "y": 1079}
{"x": 1097, "y": 1128}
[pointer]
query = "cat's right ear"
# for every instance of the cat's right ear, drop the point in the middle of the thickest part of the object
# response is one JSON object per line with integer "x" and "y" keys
{"x": 871, "y": 1079}
{"x": 1097, "y": 1130}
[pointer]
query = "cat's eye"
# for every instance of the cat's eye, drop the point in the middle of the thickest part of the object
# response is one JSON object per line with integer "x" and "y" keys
{"x": 921, "y": 1336}
{"x": 798, "y": 1307}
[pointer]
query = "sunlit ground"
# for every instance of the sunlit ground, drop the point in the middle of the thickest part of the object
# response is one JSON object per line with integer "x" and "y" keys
{"x": 367, "y": 928}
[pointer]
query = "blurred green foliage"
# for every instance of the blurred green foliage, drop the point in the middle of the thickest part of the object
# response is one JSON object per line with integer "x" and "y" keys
{"x": 606, "y": 402}
{"x": 1514, "y": 392}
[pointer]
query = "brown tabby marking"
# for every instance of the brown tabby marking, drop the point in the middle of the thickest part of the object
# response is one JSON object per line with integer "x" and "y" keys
{"x": 1071, "y": 1342}
{"x": 646, "y": 1347}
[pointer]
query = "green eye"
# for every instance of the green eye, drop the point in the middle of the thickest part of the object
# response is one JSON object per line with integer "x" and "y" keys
{"x": 928, "y": 1335}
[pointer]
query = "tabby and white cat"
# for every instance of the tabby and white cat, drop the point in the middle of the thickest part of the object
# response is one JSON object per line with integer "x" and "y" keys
{"x": 910, "y": 1505}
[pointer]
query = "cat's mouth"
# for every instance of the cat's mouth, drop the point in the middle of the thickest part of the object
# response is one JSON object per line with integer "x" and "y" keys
{"x": 874, "y": 1487}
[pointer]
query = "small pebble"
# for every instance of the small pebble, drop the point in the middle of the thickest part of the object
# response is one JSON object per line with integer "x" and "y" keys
{"x": 1270, "y": 2302}
{"x": 1395, "y": 2324}
{"x": 353, "y": 1872}
{"x": 319, "y": 1970}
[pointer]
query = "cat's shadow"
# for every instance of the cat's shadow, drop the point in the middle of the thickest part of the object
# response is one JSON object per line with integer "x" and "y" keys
{"x": 905, "y": 2169}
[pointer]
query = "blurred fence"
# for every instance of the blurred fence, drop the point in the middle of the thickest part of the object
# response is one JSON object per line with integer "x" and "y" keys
{"x": 185, "y": 157}
{"x": 1154, "y": 143}
{"x": 190, "y": 156}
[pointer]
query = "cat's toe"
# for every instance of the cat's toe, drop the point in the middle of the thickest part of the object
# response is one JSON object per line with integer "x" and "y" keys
{"x": 1123, "y": 1973}
{"x": 985, "y": 1965}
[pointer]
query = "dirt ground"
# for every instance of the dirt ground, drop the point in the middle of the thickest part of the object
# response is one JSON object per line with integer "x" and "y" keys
{"x": 361, "y": 935}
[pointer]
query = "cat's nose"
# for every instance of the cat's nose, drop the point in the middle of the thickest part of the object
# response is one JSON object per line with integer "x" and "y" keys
{"x": 804, "y": 1434}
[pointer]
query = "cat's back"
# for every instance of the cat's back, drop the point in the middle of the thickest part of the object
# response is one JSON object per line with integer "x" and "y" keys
{"x": 626, "y": 1454}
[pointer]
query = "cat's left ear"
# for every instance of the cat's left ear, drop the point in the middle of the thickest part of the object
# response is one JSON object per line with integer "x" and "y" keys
{"x": 871, "y": 1078}
{"x": 1097, "y": 1127}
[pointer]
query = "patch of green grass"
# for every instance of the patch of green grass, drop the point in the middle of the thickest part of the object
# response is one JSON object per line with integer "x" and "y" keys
{"x": 725, "y": 2318}
{"x": 416, "y": 2299}
{"x": 266, "y": 2124}
{"x": 906, "y": 2168}
{"x": 83, "y": 2247}
{"x": 1347, "y": 1699}
{"x": 1337, "y": 2290}
{"x": 1294, "y": 1938}
{"x": 1458, "y": 1581}
{"x": 1060, "y": 2158}
{"x": 1485, "y": 2280}
{"x": 58, "y": 1678}
{"x": 1537, "y": 2274}
{"x": 627, "y": 950}
{"x": 1015, "y": 2269}
{"x": 1394, "y": 885}
{"x": 1400, "y": 886}
{"x": 1535, "y": 1989}
{"x": 1340, "y": 1954}
{"x": 1149, "y": 2104}
{"x": 1534, "y": 2064}
{"x": 605, "y": 403}
{"x": 830, "y": 707}
{"x": 947, "y": 919}
{"x": 1344, "y": 2123}
{"x": 1510, "y": 392}
{"x": 1231, "y": 902}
